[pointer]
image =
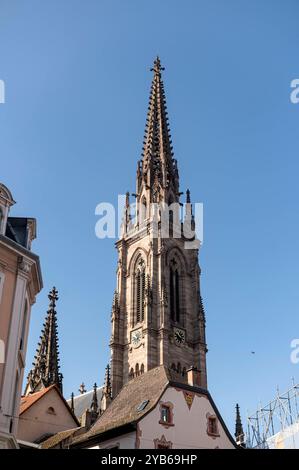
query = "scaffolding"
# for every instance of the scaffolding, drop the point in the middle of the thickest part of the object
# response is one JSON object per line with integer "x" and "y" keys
{"x": 276, "y": 424}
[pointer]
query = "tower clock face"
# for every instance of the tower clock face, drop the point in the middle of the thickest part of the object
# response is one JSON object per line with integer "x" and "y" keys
{"x": 179, "y": 336}
{"x": 136, "y": 337}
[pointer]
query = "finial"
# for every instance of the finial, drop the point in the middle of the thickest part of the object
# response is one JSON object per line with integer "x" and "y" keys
{"x": 157, "y": 66}
{"x": 72, "y": 402}
{"x": 127, "y": 199}
{"x": 82, "y": 388}
{"x": 94, "y": 404}
{"x": 107, "y": 384}
{"x": 188, "y": 198}
{"x": 53, "y": 296}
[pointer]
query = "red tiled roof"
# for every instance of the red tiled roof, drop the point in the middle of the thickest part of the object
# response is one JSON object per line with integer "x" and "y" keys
{"x": 28, "y": 400}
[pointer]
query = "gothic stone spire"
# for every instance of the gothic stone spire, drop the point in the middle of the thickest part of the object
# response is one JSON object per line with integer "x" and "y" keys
{"x": 157, "y": 169}
{"x": 239, "y": 433}
{"x": 45, "y": 371}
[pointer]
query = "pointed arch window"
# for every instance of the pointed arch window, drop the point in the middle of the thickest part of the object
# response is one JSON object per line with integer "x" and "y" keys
{"x": 174, "y": 287}
{"x": 139, "y": 291}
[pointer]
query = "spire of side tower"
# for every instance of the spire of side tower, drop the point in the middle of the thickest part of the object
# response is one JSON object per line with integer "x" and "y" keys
{"x": 239, "y": 433}
{"x": 45, "y": 371}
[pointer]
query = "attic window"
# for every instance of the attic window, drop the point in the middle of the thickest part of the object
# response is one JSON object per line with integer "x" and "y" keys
{"x": 51, "y": 411}
{"x": 212, "y": 426}
{"x": 166, "y": 414}
{"x": 142, "y": 405}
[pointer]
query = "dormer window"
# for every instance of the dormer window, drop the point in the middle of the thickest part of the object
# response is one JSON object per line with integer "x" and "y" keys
{"x": 6, "y": 201}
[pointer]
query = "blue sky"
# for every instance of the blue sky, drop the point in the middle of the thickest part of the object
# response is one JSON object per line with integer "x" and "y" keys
{"x": 77, "y": 83}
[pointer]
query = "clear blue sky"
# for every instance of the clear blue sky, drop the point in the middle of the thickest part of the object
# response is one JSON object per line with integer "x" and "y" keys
{"x": 77, "y": 83}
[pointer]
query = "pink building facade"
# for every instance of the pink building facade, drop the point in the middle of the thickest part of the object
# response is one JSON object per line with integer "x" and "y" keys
{"x": 20, "y": 282}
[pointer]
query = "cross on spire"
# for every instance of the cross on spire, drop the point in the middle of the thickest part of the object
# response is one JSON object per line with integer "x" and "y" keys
{"x": 82, "y": 388}
{"x": 157, "y": 66}
{"x": 53, "y": 297}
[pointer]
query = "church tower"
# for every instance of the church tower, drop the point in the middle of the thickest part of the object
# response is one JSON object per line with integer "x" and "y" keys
{"x": 157, "y": 312}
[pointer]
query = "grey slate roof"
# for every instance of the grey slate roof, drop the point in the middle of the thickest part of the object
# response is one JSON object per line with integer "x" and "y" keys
{"x": 83, "y": 401}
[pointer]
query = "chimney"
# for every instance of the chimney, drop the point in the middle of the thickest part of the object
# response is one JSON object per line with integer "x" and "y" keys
{"x": 194, "y": 377}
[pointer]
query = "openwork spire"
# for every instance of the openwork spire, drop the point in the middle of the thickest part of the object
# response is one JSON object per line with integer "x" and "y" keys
{"x": 157, "y": 168}
{"x": 45, "y": 371}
